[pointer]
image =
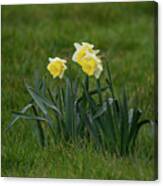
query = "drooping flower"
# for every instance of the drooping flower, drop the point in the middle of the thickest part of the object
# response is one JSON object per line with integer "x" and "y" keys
{"x": 91, "y": 65}
{"x": 56, "y": 67}
{"x": 81, "y": 51}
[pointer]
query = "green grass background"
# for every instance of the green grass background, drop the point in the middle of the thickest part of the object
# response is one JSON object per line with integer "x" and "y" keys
{"x": 124, "y": 32}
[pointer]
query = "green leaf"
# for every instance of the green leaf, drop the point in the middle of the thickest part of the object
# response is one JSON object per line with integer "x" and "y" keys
{"x": 91, "y": 93}
{"x": 51, "y": 96}
{"x": 134, "y": 115}
{"x": 75, "y": 87}
{"x": 92, "y": 127}
{"x": 139, "y": 126}
{"x": 43, "y": 88}
{"x": 41, "y": 102}
{"x": 100, "y": 111}
{"x": 39, "y": 129}
{"x": 111, "y": 125}
{"x": 89, "y": 98}
{"x": 37, "y": 81}
{"x": 29, "y": 117}
{"x": 69, "y": 108}
{"x": 17, "y": 116}
{"x": 110, "y": 83}
{"x": 124, "y": 124}
{"x": 96, "y": 91}
{"x": 106, "y": 125}
{"x": 37, "y": 99}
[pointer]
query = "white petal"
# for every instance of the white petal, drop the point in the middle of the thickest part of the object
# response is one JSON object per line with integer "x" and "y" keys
{"x": 77, "y": 46}
{"x": 98, "y": 60}
{"x": 87, "y": 44}
{"x": 61, "y": 75}
{"x": 64, "y": 61}
{"x": 98, "y": 71}
{"x": 74, "y": 56}
{"x": 65, "y": 67}
{"x": 93, "y": 55}
{"x": 57, "y": 59}
{"x": 89, "y": 54}
{"x": 50, "y": 59}
{"x": 96, "y": 51}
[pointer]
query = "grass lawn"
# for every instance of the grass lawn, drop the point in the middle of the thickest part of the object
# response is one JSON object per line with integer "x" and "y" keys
{"x": 124, "y": 32}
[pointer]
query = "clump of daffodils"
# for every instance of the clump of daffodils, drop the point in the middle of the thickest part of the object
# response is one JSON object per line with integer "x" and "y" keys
{"x": 85, "y": 55}
{"x": 87, "y": 58}
{"x": 75, "y": 112}
{"x": 57, "y": 67}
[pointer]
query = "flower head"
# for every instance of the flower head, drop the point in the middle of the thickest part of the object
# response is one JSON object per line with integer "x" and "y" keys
{"x": 87, "y": 58}
{"x": 91, "y": 65}
{"x": 81, "y": 51}
{"x": 56, "y": 67}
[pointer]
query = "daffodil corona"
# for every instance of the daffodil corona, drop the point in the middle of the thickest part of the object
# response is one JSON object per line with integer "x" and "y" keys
{"x": 56, "y": 67}
{"x": 91, "y": 65}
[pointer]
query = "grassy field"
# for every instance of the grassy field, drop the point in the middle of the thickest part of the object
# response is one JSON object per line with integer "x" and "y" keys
{"x": 124, "y": 32}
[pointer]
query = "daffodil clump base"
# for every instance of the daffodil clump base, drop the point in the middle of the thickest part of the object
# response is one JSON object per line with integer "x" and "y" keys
{"x": 75, "y": 112}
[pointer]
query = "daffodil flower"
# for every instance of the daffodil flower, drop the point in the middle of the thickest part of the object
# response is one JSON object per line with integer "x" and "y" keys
{"x": 81, "y": 51}
{"x": 92, "y": 65}
{"x": 56, "y": 67}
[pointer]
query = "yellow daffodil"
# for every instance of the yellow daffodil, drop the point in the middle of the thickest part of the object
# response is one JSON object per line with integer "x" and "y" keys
{"x": 56, "y": 67}
{"x": 81, "y": 51}
{"x": 91, "y": 65}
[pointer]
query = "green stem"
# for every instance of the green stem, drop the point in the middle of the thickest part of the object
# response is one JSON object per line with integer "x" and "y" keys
{"x": 99, "y": 91}
{"x": 110, "y": 80}
{"x": 87, "y": 83}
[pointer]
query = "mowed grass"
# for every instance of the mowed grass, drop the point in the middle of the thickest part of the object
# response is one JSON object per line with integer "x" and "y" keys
{"x": 124, "y": 32}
